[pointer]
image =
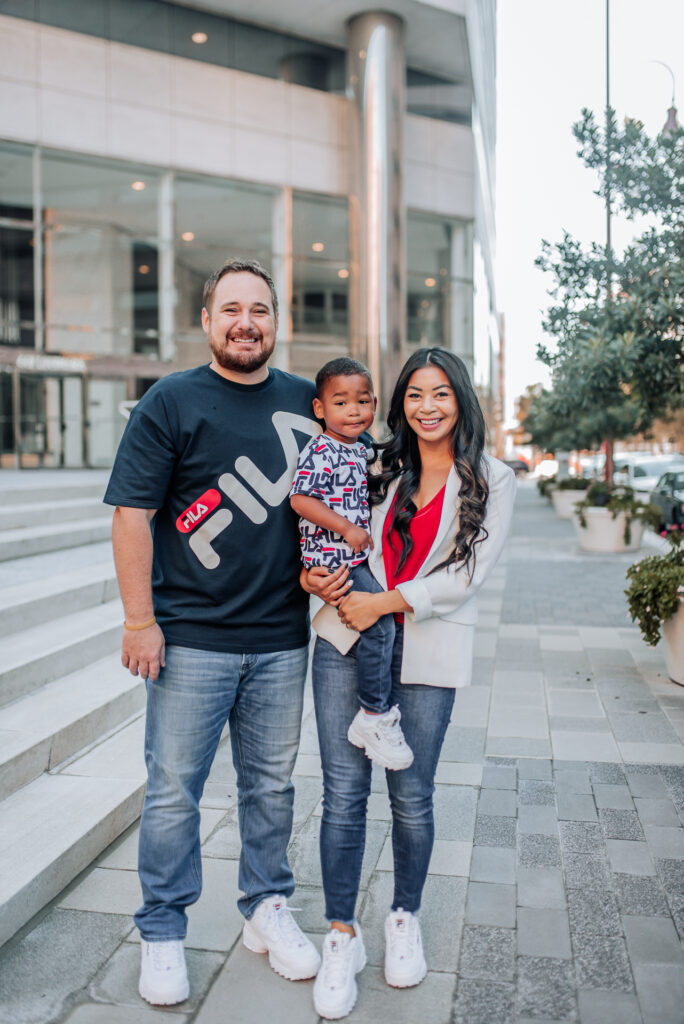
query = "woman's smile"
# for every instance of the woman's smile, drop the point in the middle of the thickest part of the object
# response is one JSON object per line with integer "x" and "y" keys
{"x": 430, "y": 405}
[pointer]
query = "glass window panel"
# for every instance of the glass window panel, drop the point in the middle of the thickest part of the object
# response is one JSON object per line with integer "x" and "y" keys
{"x": 320, "y": 229}
{"x": 217, "y": 48}
{"x": 95, "y": 224}
{"x": 6, "y": 419}
{"x": 169, "y": 28}
{"x": 16, "y": 182}
{"x": 106, "y": 424}
{"x": 143, "y": 23}
{"x": 85, "y": 192}
{"x": 145, "y": 299}
{"x": 16, "y": 287}
{"x": 320, "y": 291}
{"x": 320, "y": 300}
{"x": 426, "y": 311}
{"x": 19, "y": 8}
{"x": 428, "y": 246}
{"x": 89, "y": 17}
{"x": 440, "y": 98}
{"x": 216, "y": 220}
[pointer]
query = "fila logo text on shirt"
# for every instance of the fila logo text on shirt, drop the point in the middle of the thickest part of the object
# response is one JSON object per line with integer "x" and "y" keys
{"x": 271, "y": 492}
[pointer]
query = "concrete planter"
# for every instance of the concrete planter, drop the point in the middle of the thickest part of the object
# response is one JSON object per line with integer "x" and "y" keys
{"x": 673, "y": 632}
{"x": 605, "y": 534}
{"x": 564, "y": 502}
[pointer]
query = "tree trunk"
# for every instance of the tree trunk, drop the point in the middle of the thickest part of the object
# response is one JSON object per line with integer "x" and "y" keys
{"x": 608, "y": 447}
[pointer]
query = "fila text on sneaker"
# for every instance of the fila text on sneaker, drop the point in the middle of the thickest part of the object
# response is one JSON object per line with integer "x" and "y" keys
{"x": 404, "y": 958}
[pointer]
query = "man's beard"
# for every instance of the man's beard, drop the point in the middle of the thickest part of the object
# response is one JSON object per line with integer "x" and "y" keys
{"x": 243, "y": 362}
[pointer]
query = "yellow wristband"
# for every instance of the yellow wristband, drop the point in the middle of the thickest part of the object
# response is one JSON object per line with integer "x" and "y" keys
{"x": 144, "y": 625}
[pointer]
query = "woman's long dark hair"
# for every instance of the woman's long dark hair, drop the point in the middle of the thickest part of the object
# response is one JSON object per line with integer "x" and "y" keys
{"x": 400, "y": 457}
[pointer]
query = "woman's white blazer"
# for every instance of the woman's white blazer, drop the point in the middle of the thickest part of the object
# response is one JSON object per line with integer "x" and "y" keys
{"x": 439, "y": 632}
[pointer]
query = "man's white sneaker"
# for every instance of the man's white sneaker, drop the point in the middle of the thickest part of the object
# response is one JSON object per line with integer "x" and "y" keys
{"x": 163, "y": 974}
{"x": 382, "y": 738}
{"x": 335, "y": 988}
{"x": 404, "y": 958}
{"x": 272, "y": 929}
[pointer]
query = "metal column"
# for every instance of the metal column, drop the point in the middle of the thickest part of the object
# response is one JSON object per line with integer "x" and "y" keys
{"x": 281, "y": 272}
{"x": 376, "y": 83}
{"x": 167, "y": 288}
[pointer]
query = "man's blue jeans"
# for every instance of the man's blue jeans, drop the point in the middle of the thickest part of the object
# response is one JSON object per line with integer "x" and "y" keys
{"x": 425, "y": 714}
{"x": 260, "y": 695}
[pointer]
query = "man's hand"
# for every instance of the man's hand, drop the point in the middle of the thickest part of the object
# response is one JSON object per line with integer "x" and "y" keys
{"x": 330, "y": 587}
{"x": 142, "y": 651}
{"x": 357, "y": 538}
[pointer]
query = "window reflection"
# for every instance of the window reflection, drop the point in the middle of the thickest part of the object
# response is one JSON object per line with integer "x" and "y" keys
{"x": 439, "y": 286}
{"x": 16, "y": 247}
{"x": 95, "y": 223}
{"x": 321, "y": 272}
{"x": 215, "y": 221}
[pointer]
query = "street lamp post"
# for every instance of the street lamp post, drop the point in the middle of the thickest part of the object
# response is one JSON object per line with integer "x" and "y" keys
{"x": 671, "y": 124}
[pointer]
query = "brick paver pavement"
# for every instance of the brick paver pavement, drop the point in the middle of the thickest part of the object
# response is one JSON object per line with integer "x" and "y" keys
{"x": 556, "y": 890}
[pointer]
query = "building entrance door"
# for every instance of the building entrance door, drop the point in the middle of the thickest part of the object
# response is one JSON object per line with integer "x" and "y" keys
{"x": 41, "y": 421}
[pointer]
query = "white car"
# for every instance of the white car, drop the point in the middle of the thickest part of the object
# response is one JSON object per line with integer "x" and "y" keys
{"x": 643, "y": 475}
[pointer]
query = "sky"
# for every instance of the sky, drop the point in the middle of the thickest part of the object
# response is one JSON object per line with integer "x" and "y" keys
{"x": 551, "y": 64}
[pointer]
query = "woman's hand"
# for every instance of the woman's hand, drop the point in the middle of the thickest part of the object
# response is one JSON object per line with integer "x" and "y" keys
{"x": 360, "y": 610}
{"x": 330, "y": 587}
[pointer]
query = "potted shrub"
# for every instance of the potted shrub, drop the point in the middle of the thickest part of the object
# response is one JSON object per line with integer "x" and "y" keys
{"x": 545, "y": 486}
{"x": 567, "y": 493}
{"x": 655, "y": 596}
{"x": 611, "y": 520}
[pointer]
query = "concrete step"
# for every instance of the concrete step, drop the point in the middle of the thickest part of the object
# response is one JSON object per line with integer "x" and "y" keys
{"x": 44, "y": 653}
{"x": 38, "y": 568}
{"x": 37, "y": 601}
{"x": 33, "y": 540}
{"x": 40, "y": 731}
{"x": 37, "y": 513}
{"x": 55, "y": 827}
{"x": 23, "y": 487}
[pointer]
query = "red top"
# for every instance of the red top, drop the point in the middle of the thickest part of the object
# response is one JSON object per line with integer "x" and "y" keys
{"x": 423, "y": 529}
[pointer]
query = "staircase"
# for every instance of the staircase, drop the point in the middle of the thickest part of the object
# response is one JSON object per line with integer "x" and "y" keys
{"x": 71, "y": 719}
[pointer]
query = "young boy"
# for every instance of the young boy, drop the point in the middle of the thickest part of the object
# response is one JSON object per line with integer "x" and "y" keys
{"x": 330, "y": 494}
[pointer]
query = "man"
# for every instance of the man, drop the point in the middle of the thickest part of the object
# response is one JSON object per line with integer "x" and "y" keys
{"x": 207, "y": 557}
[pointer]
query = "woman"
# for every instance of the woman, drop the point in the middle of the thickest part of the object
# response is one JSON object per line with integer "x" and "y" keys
{"x": 442, "y": 509}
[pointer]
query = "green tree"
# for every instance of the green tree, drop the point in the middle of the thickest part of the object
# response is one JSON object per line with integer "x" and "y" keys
{"x": 617, "y": 322}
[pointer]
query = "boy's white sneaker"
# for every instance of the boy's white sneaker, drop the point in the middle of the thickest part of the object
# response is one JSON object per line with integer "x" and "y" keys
{"x": 382, "y": 739}
{"x": 272, "y": 929}
{"x": 404, "y": 958}
{"x": 335, "y": 988}
{"x": 163, "y": 973}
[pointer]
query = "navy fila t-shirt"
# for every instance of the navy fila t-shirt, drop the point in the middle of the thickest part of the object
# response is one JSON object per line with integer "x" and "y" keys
{"x": 217, "y": 459}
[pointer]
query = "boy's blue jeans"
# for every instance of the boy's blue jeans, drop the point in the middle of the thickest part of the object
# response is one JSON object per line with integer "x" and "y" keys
{"x": 261, "y": 696}
{"x": 373, "y": 649}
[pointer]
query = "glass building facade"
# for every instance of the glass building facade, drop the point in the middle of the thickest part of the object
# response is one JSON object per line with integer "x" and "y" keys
{"x": 102, "y": 261}
{"x": 144, "y": 142}
{"x": 228, "y": 42}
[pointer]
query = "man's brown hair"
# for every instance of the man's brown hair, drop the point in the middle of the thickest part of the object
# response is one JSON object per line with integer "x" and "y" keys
{"x": 238, "y": 266}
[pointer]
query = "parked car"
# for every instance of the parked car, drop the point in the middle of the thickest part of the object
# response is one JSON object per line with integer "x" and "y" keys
{"x": 668, "y": 495}
{"x": 643, "y": 475}
{"x": 519, "y": 466}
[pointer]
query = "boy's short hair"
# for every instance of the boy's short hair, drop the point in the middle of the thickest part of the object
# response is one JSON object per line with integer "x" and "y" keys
{"x": 344, "y": 366}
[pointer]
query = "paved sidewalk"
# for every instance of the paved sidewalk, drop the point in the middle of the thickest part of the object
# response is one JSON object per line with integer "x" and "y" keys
{"x": 556, "y": 890}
